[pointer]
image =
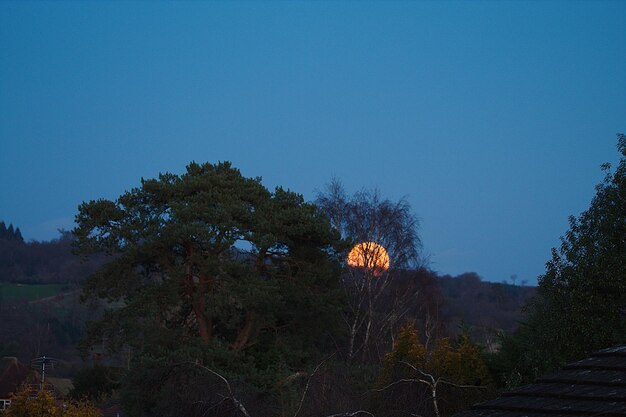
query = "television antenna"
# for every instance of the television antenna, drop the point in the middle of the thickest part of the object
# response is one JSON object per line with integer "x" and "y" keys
{"x": 43, "y": 363}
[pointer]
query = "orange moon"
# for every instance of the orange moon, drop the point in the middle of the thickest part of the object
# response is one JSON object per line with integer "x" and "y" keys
{"x": 371, "y": 256}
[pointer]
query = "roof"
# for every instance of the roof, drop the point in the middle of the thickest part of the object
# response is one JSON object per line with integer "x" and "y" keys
{"x": 12, "y": 375}
{"x": 595, "y": 386}
{"x": 61, "y": 386}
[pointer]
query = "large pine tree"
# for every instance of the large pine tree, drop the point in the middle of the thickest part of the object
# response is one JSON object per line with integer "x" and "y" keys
{"x": 213, "y": 268}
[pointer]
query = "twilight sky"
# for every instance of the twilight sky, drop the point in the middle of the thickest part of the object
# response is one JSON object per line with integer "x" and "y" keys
{"x": 491, "y": 118}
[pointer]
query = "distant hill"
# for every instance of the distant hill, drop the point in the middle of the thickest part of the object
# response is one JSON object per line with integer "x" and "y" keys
{"x": 50, "y": 273}
{"x": 446, "y": 306}
{"x": 49, "y": 262}
{"x": 483, "y": 308}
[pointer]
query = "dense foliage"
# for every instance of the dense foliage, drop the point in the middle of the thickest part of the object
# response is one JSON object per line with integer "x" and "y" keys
{"x": 173, "y": 386}
{"x": 581, "y": 303}
{"x": 221, "y": 297}
{"x": 449, "y": 378}
{"x": 94, "y": 384}
{"x": 25, "y": 403}
{"x": 211, "y": 268}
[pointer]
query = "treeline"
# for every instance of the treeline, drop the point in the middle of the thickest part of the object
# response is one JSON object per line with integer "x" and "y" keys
{"x": 484, "y": 310}
{"x": 37, "y": 262}
{"x": 459, "y": 304}
{"x": 9, "y": 233}
{"x": 440, "y": 308}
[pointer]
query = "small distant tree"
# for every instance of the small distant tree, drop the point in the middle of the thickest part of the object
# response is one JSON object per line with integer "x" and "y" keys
{"x": 407, "y": 348}
{"x": 80, "y": 409}
{"x": 43, "y": 404}
{"x": 10, "y": 233}
{"x": 23, "y": 406}
{"x": 94, "y": 384}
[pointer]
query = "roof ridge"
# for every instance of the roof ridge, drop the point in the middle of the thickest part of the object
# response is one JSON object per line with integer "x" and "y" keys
{"x": 612, "y": 351}
{"x": 579, "y": 382}
{"x": 563, "y": 396}
{"x": 567, "y": 412}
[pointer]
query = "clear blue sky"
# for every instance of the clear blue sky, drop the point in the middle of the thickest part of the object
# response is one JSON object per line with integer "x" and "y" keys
{"x": 492, "y": 118}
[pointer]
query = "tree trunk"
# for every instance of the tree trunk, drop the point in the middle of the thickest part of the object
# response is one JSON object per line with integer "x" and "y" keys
{"x": 245, "y": 333}
{"x": 205, "y": 325}
{"x": 196, "y": 292}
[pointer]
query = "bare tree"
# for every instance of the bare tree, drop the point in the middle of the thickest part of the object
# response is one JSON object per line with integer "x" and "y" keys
{"x": 375, "y": 303}
{"x": 431, "y": 382}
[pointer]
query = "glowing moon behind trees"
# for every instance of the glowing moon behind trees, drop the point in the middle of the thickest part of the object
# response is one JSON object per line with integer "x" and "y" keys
{"x": 370, "y": 256}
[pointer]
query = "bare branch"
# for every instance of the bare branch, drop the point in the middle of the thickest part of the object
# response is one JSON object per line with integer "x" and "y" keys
{"x": 235, "y": 401}
{"x": 399, "y": 381}
{"x": 432, "y": 378}
{"x": 443, "y": 381}
{"x": 351, "y": 414}
{"x": 308, "y": 382}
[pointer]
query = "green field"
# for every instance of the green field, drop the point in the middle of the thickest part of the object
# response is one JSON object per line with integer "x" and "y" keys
{"x": 29, "y": 292}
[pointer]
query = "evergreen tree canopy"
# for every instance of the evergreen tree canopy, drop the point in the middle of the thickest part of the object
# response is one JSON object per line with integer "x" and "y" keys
{"x": 10, "y": 233}
{"x": 460, "y": 364}
{"x": 208, "y": 262}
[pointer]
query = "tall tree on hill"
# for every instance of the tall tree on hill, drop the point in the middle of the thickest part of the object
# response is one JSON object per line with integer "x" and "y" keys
{"x": 581, "y": 302}
{"x": 10, "y": 233}
{"x": 213, "y": 259}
